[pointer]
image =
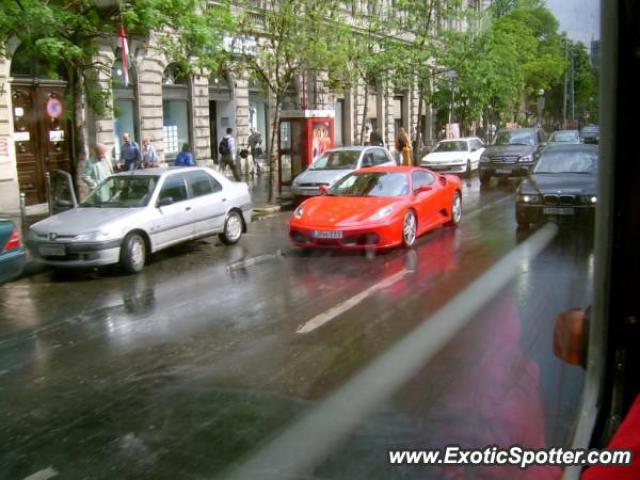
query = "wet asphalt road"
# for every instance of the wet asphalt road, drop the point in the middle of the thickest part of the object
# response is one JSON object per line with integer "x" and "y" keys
{"x": 183, "y": 370}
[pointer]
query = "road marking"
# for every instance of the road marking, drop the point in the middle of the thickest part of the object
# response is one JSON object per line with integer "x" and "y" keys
{"x": 313, "y": 436}
{"x": 45, "y": 474}
{"x": 348, "y": 304}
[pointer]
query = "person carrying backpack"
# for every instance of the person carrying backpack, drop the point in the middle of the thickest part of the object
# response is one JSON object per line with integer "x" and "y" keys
{"x": 227, "y": 151}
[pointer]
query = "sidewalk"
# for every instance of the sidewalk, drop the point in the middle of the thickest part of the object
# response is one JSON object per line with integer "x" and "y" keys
{"x": 259, "y": 189}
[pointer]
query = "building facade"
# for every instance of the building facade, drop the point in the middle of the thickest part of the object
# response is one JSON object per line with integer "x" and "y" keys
{"x": 169, "y": 109}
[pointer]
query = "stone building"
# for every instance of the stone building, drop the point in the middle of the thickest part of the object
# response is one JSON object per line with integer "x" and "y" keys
{"x": 169, "y": 109}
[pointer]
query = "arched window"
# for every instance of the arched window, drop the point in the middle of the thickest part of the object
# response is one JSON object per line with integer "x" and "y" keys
{"x": 176, "y": 110}
{"x": 27, "y": 62}
{"x": 125, "y": 111}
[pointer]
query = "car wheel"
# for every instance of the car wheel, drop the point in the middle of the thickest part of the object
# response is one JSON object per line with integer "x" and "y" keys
{"x": 232, "y": 229}
{"x": 456, "y": 210}
{"x": 133, "y": 253}
{"x": 522, "y": 220}
{"x": 467, "y": 173}
{"x": 409, "y": 229}
{"x": 485, "y": 178}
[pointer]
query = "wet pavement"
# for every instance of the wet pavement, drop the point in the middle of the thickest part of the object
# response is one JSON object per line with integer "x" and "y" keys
{"x": 183, "y": 370}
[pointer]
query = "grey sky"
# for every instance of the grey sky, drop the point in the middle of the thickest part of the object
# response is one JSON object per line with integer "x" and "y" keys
{"x": 579, "y": 18}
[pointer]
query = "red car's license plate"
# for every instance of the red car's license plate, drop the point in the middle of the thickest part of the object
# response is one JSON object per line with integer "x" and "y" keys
{"x": 330, "y": 234}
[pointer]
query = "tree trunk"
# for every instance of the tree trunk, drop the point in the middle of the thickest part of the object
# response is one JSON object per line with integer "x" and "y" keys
{"x": 365, "y": 111}
{"x": 273, "y": 163}
{"x": 79, "y": 125}
{"x": 420, "y": 126}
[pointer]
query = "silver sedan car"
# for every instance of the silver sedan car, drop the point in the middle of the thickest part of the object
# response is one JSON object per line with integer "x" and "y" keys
{"x": 133, "y": 214}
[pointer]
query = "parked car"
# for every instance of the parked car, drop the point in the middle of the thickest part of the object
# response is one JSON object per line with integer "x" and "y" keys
{"x": 131, "y": 215}
{"x": 12, "y": 253}
{"x": 590, "y": 134}
{"x": 459, "y": 155}
{"x": 334, "y": 164}
{"x": 378, "y": 207}
{"x": 513, "y": 153}
{"x": 561, "y": 137}
{"x": 562, "y": 186}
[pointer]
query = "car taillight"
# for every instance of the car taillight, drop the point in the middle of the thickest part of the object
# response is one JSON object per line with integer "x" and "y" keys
{"x": 14, "y": 241}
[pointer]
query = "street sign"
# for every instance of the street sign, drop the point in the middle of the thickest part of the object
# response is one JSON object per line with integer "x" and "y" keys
{"x": 54, "y": 108}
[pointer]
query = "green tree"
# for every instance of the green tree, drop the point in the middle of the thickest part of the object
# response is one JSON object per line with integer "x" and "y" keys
{"x": 281, "y": 39}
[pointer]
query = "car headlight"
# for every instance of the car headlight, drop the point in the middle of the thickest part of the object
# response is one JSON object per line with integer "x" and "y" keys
{"x": 526, "y": 158}
{"x": 298, "y": 212}
{"x": 527, "y": 198}
{"x": 96, "y": 236}
{"x": 589, "y": 199}
{"x": 383, "y": 212}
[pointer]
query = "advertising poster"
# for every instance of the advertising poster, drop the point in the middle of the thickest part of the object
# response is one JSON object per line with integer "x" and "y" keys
{"x": 321, "y": 139}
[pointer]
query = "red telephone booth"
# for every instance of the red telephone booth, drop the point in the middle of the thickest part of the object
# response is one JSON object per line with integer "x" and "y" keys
{"x": 304, "y": 134}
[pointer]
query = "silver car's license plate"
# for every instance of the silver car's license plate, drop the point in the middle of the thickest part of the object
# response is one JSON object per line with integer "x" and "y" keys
{"x": 331, "y": 234}
{"x": 52, "y": 250}
{"x": 558, "y": 211}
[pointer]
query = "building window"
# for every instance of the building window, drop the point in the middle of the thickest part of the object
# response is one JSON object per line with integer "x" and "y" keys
{"x": 124, "y": 104}
{"x": 176, "y": 111}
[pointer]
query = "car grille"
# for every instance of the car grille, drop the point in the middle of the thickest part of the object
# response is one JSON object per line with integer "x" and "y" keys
{"x": 553, "y": 199}
{"x": 505, "y": 159}
{"x": 311, "y": 184}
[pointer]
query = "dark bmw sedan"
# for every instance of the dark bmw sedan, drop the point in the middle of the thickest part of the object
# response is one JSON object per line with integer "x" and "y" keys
{"x": 513, "y": 153}
{"x": 562, "y": 187}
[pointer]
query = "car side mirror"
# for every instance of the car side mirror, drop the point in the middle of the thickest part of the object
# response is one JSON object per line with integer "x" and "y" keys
{"x": 570, "y": 337}
{"x": 163, "y": 202}
{"x": 324, "y": 189}
{"x": 422, "y": 189}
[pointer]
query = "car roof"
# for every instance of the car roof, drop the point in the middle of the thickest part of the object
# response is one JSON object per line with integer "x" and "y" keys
{"x": 460, "y": 139}
{"x": 358, "y": 148}
{"x": 159, "y": 171}
{"x": 391, "y": 169}
{"x": 526, "y": 129}
{"x": 566, "y": 130}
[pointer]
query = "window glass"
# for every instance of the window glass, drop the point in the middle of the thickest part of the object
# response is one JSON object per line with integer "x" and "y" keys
{"x": 372, "y": 185}
{"x": 421, "y": 179}
{"x": 174, "y": 188}
{"x": 176, "y": 126}
{"x": 123, "y": 121}
{"x": 337, "y": 160}
{"x": 200, "y": 183}
{"x": 379, "y": 157}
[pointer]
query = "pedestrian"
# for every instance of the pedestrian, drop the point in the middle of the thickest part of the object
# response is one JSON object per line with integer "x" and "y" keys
{"x": 375, "y": 138}
{"x": 149, "y": 155}
{"x": 403, "y": 146}
{"x": 227, "y": 150}
{"x": 130, "y": 156}
{"x": 185, "y": 157}
{"x": 97, "y": 168}
{"x": 255, "y": 147}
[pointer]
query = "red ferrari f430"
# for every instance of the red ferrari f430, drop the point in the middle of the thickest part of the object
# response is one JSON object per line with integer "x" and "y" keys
{"x": 378, "y": 207}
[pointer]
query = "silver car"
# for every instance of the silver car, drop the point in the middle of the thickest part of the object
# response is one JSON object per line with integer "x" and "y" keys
{"x": 334, "y": 164}
{"x": 133, "y": 214}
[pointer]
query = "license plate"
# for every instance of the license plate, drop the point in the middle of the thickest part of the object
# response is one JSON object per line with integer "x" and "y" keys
{"x": 331, "y": 234}
{"x": 503, "y": 170}
{"x": 52, "y": 250}
{"x": 558, "y": 211}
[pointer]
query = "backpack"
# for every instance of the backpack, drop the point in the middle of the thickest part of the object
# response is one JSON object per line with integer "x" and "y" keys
{"x": 224, "y": 148}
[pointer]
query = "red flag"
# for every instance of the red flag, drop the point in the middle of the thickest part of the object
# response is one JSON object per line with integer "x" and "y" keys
{"x": 125, "y": 56}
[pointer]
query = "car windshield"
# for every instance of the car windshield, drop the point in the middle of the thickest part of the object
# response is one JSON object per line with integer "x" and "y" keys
{"x": 451, "y": 147}
{"x": 573, "y": 161}
{"x": 372, "y": 184}
{"x": 337, "y": 160}
{"x": 590, "y": 130}
{"x": 120, "y": 191}
{"x": 565, "y": 137}
{"x": 515, "y": 137}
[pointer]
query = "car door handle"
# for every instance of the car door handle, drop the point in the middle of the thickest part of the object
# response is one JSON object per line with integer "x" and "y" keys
{"x": 188, "y": 209}
{"x": 224, "y": 199}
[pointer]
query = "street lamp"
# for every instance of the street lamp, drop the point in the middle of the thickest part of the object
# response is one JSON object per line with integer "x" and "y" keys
{"x": 540, "y": 106}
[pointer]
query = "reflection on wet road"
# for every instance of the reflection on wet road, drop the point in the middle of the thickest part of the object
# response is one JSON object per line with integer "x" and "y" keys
{"x": 188, "y": 367}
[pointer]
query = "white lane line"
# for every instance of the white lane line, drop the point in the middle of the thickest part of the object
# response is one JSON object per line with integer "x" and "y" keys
{"x": 307, "y": 441}
{"x": 45, "y": 474}
{"x": 348, "y": 304}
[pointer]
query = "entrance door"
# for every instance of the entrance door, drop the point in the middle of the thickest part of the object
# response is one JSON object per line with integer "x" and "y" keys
{"x": 213, "y": 130}
{"x": 42, "y": 137}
